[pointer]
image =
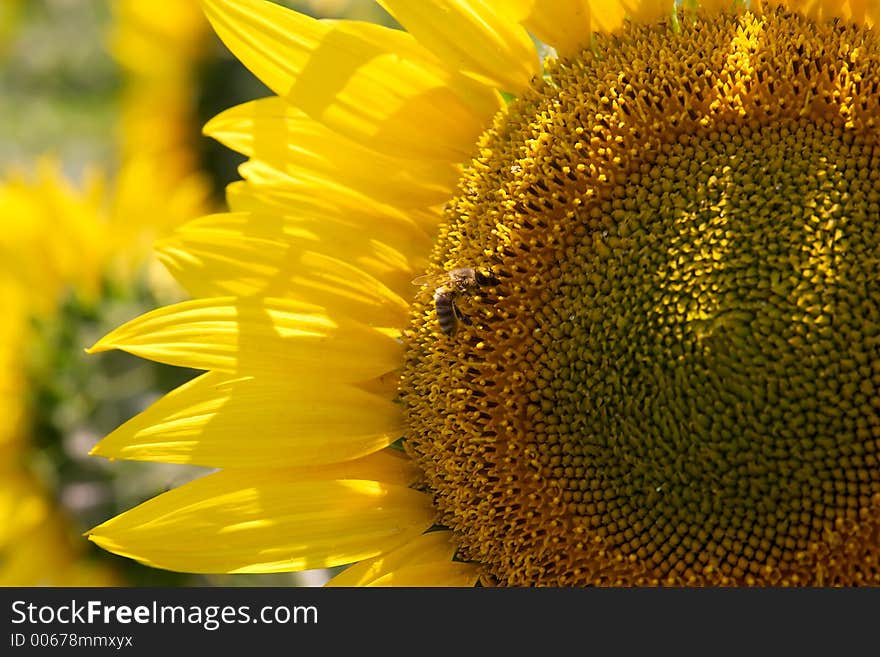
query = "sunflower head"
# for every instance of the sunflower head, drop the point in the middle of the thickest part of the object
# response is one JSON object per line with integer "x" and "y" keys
{"x": 675, "y": 381}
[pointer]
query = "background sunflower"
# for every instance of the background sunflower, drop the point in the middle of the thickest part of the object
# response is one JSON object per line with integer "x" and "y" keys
{"x": 101, "y": 154}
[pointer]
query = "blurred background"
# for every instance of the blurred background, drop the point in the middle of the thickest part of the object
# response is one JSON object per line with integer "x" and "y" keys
{"x": 102, "y": 103}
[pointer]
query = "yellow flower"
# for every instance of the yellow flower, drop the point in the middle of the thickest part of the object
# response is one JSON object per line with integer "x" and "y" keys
{"x": 648, "y": 351}
{"x": 65, "y": 245}
{"x": 58, "y": 241}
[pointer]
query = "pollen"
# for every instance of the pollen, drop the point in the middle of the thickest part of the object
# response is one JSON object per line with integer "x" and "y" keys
{"x": 674, "y": 377}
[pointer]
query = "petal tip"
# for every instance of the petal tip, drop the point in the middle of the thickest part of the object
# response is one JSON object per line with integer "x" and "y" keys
{"x": 98, "y": 347}
{"x": 210, "y": 126}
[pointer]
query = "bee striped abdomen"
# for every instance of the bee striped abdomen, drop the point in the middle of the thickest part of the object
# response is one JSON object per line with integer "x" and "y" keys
{"x": 447, "y": 314}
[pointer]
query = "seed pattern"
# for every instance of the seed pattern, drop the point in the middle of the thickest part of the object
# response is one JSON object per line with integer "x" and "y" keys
{"x": 675, "y": 380}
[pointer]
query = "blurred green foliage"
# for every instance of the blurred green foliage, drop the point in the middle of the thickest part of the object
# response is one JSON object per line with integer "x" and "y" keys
{"x": 58, "y": 84}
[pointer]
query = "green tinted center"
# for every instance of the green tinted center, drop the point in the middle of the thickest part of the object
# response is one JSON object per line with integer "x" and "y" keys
{"x": 675, "y": 379}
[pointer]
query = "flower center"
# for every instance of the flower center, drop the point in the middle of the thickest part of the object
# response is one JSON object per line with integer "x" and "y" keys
{"x": 672, "y": 375}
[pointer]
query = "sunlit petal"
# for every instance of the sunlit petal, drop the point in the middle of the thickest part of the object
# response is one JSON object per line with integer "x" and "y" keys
{"x": 370, "y": 83}
{"x": 204, "y": 422}
{"x": 506, "y": 56}
{"x": 251, "y": 521}
{"x": 274, "y": 336}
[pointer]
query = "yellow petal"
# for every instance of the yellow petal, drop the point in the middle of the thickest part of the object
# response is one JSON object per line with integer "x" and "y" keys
{"x": 259, "y": 521}
{"x": 443, "y": 573}
{"x": 384, "y": 247}
{"x": 255, "y": 256}
{"x": 267, "y": 189}
{"x": 390, "y": 466}
{"x": 205, "y": 422}
{"x": 338, "y": 237}
{"x": 373, "y": 84}
{"x": 266, "y": 336}
{"x": 568, "y": 25}
{"x": 471, "y": 36}
{"x": 430, "y": 548}
{"x": 273, "y": 131}
{"x": 347, "y": 215}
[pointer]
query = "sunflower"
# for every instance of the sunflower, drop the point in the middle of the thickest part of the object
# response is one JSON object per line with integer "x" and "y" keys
{"x": 71, "y": 253}
{"x": 60, "y": 245}
{"x": 647, "y": 351}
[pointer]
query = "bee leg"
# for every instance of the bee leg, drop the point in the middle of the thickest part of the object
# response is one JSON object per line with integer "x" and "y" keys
{"x": 460, "y": 316}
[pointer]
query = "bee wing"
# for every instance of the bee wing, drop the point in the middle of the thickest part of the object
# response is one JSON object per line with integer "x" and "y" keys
{"x": 433, "y": 280}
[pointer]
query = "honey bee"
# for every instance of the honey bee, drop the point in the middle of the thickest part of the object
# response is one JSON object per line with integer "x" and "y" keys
{"x": 449, "y": 285}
